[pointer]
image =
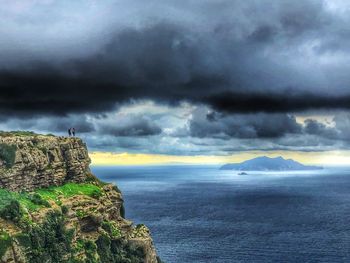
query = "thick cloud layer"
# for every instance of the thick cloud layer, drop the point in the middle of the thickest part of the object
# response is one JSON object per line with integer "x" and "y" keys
{"x": 242, "y": 126}
{"x": 189, "y": 130}
{"x": 204, "y": 124}
{"x": 130, "y": 127}
{"x": 236, "y": 56}
{"x": 178, "y": 77}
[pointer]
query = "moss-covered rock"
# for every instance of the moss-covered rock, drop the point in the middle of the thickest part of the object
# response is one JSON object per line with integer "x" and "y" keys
{"x": 52, "y": 209}
{"x": 35, "y": 161}
{"x": 7, "y": 155}
{"x": 75, "y": 227}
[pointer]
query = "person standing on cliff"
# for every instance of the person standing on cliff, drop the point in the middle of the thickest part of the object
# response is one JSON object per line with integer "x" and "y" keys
{"x": 70, "y": 132}
{"x": 73, "y": 132}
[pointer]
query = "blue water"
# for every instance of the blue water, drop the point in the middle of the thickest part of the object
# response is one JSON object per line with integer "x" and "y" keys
{"x": 202, "y": 214}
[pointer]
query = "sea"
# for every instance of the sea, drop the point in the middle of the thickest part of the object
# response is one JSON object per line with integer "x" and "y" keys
{"x": 204, "y": 214}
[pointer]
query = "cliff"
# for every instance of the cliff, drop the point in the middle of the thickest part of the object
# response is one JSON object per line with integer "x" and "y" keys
{"x": 52, "y": 209}
{"x": 41, "y": 161}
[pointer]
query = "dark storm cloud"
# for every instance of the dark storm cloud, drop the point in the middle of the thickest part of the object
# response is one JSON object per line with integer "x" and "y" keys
{"x": 253, "y": 57}
{"x": 157, "y": 63}
{"x": 80, "y": 124}
{"x": 288, "y": 101}
{"x": 133, "y": 127}
{"x": 270, "y": 131}
{"x": 242, "y": 125}
{"x": 337, "y": 132}
{"x": 245, "y": 67}
{"x": 316, "y": 128}
{"x": 52, "y": 124}
{"x": 130, "y": 125}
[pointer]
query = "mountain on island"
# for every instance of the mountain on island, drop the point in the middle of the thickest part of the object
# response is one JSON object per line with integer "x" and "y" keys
{"x": 265, "y": 163}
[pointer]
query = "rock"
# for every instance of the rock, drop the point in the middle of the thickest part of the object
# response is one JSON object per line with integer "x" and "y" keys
{"x": 47, "y": 161}
{"x": 42, "y": 161}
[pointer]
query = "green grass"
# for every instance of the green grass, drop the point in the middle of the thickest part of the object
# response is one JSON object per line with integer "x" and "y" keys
{"x": 53, "y": 193}
{"x": 22, "y": 134}
{"x": 23, "y": 198}
{"x": 68, "y": 190}
{"x": 16, "y": 133}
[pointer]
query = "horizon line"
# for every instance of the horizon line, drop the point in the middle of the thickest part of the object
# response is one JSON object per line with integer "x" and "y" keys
{"x": 324, "y": 158}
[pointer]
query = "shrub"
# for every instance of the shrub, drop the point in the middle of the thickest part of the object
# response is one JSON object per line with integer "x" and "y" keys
{"x": 80, "y": 213}
{"x": 90, "y": 251}
{"x": 103, "y": 244}
{"x": 50, "y": 241}
{"x": 64, "y": 209}
{"x": 24, "y": 240}
{"x": 5, "y": 243}
{"x": 8, "y": 154}
{"x": 112, "y": 230}
{"x": 23, "y": 198}
{"x": 118, "y": 251}
{"x": 12, "y": 211}
{"x": 125, "y": 252}
{"x": 38, "y": 200}
{"x": 96, "y": 194}
{"x": 135, "y": 253}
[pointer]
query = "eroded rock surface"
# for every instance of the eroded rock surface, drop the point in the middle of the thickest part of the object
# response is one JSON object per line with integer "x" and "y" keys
{"x": 43, "y": 161}
{"x": 77, "y": 219}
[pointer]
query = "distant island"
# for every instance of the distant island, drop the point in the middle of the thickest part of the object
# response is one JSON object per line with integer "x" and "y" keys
{"x": 265, "y": 163}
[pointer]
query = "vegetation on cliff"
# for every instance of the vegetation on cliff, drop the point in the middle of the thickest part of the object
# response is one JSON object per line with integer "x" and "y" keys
{"x": 40, "y": 198}
{"x": 50, "y": 240}
{"x": 52, "y": 209}
{"x": 20, "y": 134}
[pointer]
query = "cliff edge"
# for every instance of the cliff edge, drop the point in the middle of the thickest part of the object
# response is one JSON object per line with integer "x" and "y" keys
{"x": 52, "y": 209}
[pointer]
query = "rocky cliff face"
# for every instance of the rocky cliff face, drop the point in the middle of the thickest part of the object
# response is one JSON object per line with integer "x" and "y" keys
{"x": 65, "y": 214}
{"x": 42, "y": 161}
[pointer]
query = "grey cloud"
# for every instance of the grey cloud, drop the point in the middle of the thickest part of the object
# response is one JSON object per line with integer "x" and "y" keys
{"x": 316, "y": 128}
{"x": 337, "y": 132}
{"x": 253, "y": 52}
{"x": 58, "y": 125}
{"x": 133, "y": 127}
{"x": 260, "y": 125}
{"x": 270, "y": 131}
{"x": 251, "y": 68}
{"x": 117, "y": 144}
{"x": 81, "y": 124}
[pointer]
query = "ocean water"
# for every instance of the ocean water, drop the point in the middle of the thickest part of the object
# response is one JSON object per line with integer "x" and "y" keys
{"x": 202, "y": 214}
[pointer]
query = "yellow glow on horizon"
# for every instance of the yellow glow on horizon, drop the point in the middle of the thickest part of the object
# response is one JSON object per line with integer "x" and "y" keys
{"x": 317, "y": 158}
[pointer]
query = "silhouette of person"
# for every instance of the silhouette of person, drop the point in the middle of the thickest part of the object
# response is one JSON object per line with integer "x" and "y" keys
{"x": 70, "y": 132}
{"x": 73, "y": 132}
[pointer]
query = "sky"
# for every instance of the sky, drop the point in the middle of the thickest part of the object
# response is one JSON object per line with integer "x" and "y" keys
{"x": 195, "y": 81}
